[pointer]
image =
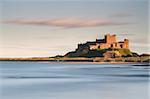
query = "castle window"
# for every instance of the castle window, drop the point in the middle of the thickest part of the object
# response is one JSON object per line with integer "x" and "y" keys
{"x": 111, "y": 45}
{"x": 121, "y": 46}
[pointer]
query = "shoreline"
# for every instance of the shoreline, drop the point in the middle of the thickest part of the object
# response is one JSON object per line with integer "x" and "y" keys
{"x": 83, "y": 60}
{"x": 145, "y": 64}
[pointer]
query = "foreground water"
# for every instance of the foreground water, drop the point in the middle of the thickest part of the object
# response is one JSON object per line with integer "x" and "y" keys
{"x": 47, "y": 80}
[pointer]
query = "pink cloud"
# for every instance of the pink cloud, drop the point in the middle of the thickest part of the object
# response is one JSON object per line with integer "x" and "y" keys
{"x": 66, "y": 22}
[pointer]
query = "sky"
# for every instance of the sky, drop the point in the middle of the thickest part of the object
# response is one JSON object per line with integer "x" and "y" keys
{"x": 30, "y": 28}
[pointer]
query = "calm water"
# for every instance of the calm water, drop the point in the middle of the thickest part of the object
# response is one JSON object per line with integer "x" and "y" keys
{"x": 46, "y": 80}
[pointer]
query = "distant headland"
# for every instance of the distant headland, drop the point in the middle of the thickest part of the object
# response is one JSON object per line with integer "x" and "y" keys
{"x": 107, "y": 49}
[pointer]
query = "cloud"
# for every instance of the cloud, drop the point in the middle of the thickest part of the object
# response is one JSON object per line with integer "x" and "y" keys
{"x": 66, "y": 22}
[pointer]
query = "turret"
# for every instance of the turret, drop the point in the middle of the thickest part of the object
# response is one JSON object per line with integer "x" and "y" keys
{"x": 126, "y": 42}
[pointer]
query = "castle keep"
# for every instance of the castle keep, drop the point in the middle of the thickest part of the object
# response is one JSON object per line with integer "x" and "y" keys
{"x": 109, "y": 41}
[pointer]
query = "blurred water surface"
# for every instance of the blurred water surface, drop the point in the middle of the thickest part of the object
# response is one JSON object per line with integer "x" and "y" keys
{"x": 50, "y": 80}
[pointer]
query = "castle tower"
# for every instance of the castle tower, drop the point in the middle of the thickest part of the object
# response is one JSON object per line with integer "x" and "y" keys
{"x": 126, "y": 43}
{"x": 110, "y": 38}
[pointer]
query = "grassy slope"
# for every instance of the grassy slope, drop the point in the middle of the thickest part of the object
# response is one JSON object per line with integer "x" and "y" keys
{"x": 97, "y": 53}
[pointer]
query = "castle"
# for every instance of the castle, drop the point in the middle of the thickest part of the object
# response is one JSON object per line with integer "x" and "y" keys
{"x": 109, "y": 41}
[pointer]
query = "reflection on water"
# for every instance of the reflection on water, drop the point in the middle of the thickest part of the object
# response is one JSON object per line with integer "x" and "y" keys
{"x": 39, "y": 80}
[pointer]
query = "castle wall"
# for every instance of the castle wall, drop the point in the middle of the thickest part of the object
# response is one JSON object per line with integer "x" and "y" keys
{"x": 82, "y": 46}
{"x": 104, "y": 45}
{"x": 92, "y": 47}
{"x": 108, "y": 42}
{"x": 117, "y": 45}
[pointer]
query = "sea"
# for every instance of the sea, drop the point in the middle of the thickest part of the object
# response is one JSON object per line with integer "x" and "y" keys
{"x": 65, "y": 80}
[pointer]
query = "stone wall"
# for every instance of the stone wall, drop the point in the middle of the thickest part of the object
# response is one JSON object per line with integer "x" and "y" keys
{"x": 104, "y": 46}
